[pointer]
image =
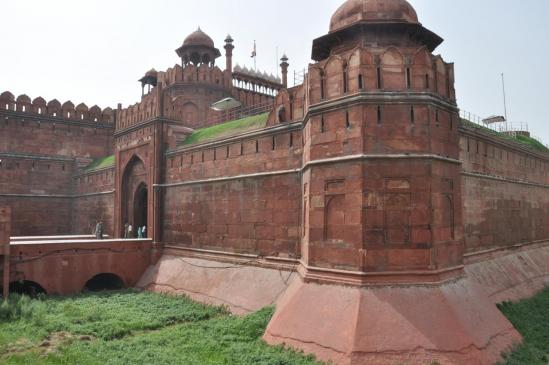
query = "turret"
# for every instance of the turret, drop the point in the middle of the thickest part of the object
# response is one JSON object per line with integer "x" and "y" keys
{"x": 284, "y": 67}
{"x": 229, "y": 54}
{"x": 150, "y": 79}
{"x": 197, "y": 49}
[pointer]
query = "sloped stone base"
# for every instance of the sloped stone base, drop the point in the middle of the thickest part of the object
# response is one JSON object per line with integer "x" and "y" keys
{"x": 512, "y": 274}
{"x": 454, "y": 323}
{"x": 243, "y": 289}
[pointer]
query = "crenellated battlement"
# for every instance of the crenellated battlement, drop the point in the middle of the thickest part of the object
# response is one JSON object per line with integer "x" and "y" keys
{"x": 54, "y": 109}
{"x": 139, "y": 112}
{"x": 191, "y": 74}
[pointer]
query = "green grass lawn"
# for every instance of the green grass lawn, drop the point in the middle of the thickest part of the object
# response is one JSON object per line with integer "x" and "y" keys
{"x": 531, "y": 318}
{"x": 131, "y": 327}
{"x": 134, "y": 328}
{"x": 227, "y": 129}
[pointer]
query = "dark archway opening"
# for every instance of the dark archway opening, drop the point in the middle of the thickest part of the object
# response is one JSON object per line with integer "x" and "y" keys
{"x": 29, "y": 288}
{"x": 134, "y": 198}
{"x": 104, "y": 282}
{"x": 140, "y": 205}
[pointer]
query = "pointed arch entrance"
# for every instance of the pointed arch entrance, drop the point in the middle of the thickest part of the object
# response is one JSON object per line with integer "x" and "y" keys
{"x": 135, "y": 197}
{"x": 140, "y": 207}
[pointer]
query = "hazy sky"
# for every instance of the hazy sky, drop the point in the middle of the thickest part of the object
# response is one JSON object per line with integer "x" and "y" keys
{"x": 94, "y": 51}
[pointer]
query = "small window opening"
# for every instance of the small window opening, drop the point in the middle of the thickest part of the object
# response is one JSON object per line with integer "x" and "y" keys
{"x": 360, "y": 82}
{"x": 427, "y": 81}
{"x": 347, "y": 122}
{"x": 241, "y": 148}
{"x": 256, "y": 146}
{"x": 345, "y": 81}
{"x": 379, "y": 116}
{"x": 274, "y": 143}
{"x": 7, "y": 107}
{"x": 378, "y": 77}
{"x": 202, "y": 156}
{"x": 437, "y": 116}
{"x": 227, "y": 152}
{"x": 291, "y": 139}
{"x": 54, "y": 114}
{"x": 322, "y": 86}
{"x": 24, "y": 108}
{"x": 39, "y": 110}
{"x": 192, "y": 159}
{"x": 412, "y": 115}
{"x": 291, "y": 110}
{"x": 215, "y": 154}
{"x": 408, "y": 78}
{"x": 322, "y": 124}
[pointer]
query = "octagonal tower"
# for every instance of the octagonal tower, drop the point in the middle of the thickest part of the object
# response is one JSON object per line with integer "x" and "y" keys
{"x": 382, "y": 148}
{"x": 382, "y": 277}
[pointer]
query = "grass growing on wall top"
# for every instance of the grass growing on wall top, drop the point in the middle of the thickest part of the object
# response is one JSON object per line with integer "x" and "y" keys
{"x": 532, "y": 142}
{"x": 101, "y": 163}
{"x": 528, "y": 141}
{"x": 227, "y": 129}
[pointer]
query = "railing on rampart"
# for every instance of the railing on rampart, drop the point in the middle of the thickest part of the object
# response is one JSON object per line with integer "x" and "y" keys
{"x": 508, "y": 128}
{"x": 239, "y": 113}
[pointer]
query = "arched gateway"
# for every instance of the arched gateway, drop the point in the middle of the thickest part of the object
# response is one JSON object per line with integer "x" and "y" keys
{"x": 135, "y": 196}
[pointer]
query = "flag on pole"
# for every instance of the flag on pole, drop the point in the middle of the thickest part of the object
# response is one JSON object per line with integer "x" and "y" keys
{"x": 254, "y": 52}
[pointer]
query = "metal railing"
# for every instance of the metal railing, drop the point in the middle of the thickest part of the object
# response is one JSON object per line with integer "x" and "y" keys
{"x": 239, "y": 113}
{"x": 510, "y": 129}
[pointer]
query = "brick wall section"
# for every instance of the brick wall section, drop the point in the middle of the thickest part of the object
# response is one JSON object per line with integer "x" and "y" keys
{"x": 248, "y": 156}
{"x": 38, "y": 192}
{"x": 36, "y": 176}
{"x": 507, "y": 203}
{"x": 94, "y": 200}
{"x": 39, "y": 216}
{"x": 30, "y": 134}
{"x": 256, "y": 215}
{"x": 40, "y": 146}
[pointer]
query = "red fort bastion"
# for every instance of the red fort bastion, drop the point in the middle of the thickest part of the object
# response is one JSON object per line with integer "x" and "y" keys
{"x": 383, "y": 227}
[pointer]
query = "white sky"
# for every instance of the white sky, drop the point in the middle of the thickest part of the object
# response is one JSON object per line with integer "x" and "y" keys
{"x": 94, "y": 51}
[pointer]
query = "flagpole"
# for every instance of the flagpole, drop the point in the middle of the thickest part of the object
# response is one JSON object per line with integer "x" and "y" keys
{"x": 255, "y": 56}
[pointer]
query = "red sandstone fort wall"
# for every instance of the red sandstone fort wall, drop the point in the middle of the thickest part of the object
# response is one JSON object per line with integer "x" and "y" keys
{"x": 41, "y": 145}
{"x": 38, "y": 191}
{"x": 236, "y": 196}
{"x": 505, "y": 192}
{"x": 93, "y": 201}
{"x": 52, "y": 129}
{"x": 39, "y": 216}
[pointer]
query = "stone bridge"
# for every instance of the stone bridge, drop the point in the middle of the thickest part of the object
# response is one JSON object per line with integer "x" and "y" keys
{"x": 69, "y": 265}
